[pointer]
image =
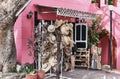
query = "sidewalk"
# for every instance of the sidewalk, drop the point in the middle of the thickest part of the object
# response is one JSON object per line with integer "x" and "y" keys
{"x": 90, "y": 74}
{"x": 113, "y": 71}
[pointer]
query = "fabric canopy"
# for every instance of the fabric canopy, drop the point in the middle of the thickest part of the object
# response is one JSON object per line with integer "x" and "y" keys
{"x": 68, "y": 4}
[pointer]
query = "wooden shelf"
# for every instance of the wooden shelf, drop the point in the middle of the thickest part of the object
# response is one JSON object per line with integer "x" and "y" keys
{"x": 81, "y": 55}
{"x": 82, "y": 58}
{"x": 80, "y": 66}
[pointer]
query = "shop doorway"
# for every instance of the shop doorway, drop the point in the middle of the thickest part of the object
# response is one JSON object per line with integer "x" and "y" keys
{"x": 105, "y": 50}
{"x": 80, "y": 35}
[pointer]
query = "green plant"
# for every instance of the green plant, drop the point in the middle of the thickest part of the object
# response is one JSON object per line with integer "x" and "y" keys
{"x": 13, "y": 69}
{"x": 93, "y": 1}
{"x": 93, "y": 38}
{"x": 95, "y": 32}
{"x": 28, "y": 68}
{"x": 110, "y": 2}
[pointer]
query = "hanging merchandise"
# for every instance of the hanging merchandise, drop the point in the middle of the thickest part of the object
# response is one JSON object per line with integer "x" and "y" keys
{"x": 96, "y": 57}
{"x": 46, "y": 42}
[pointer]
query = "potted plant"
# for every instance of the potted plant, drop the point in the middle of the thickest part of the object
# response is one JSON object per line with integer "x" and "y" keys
{"x": 29, "y": 70}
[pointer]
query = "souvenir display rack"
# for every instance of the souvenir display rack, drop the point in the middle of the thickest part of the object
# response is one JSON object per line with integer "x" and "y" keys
{"x": 82, "y": 58}
{"x": 96, "y": 58}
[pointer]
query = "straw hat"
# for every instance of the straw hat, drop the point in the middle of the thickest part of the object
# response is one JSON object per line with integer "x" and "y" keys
{"x": 52, "y": 60}
{"x": 67, "y": 51}
{"x": 54, "y": 50}
{"x": 46, "y": 66}
{"x": 58, "y": 23}
{"x": 65, "y": 29}
{"x": 51, "y": 28}
{"x": 52, "y": 38}
{"x": 70, "y": 25}
{"x": 66, "y": 40}
{"x": 71, "y": 43}
{"x": 66, "y": 66}
{"x": 46, "y": 54}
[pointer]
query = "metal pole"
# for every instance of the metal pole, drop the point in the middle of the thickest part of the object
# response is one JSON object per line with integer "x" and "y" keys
{"x": 111, "y": 39}
{"x": 58, "y": 55}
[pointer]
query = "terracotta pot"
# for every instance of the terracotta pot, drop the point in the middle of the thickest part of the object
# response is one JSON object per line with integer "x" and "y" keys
{"x": 31, "y": 76}
{"x": 41, "y": 74}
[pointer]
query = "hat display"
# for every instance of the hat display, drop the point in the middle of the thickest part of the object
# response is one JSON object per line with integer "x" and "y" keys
{"x": 51, "y": 28}
{"x": 48, "y": 41}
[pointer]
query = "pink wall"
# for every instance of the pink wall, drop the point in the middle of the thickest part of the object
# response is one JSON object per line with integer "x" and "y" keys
{"x": 104, "y": 12}
{"x": 18, "y": 37}
{"x": 105, "y": 50}
{"x": 116, "y": 30}
{"x": 23, "y": 30}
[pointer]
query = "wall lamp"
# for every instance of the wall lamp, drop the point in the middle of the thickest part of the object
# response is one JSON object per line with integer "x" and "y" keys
{"x": 77, "y": 20}
{"x": 82, "y": 21}
{"x": 29, "y": 15}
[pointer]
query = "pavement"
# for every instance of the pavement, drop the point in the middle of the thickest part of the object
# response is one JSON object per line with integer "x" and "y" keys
{"x": 89, "y": 74}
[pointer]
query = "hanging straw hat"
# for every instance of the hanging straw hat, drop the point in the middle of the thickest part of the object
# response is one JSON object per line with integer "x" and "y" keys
{"x": 71, "y": 26}
{"x": 66, "y": 40}
{"x": 54, "y": 50}
{"x": 46, "y": 67}
{"x": 64, "y": 29}
{"x": 52, "y": 38}
{"x": 51, "y": 28}
{"x": 52, "y": 60}
{"x": 58, "y": 23}
{"x": 67, "y": 51}
{"x": 66, "y": 66}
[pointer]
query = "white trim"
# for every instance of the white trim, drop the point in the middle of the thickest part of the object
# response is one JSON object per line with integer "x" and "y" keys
{"x": 25, "y": 5}
{"x": 75, "y": 13}
{"x": 81, "y": 41}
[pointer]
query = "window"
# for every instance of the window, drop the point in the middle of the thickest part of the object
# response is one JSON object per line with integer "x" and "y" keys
{"x": 111, "y": 2}
{"x": 96, "y": 1}
{"x": 81, "y": 33}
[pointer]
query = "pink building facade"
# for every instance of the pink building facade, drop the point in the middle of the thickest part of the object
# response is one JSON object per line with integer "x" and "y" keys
{"x": 24, "y": 27}
{"x": 105, "y": 13}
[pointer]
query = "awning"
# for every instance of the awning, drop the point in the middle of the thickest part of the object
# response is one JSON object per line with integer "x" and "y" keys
{"x": 72, "y": 8}
{"x": 75, "y": 13}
